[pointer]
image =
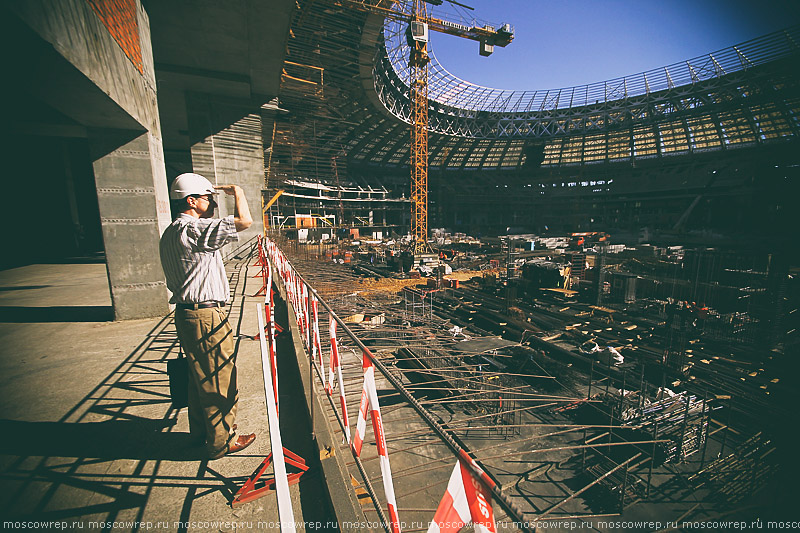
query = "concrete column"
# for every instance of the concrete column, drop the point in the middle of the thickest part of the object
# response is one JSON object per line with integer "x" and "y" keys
{"x": 134, "y": 209}
{"x": 235, "y": 154}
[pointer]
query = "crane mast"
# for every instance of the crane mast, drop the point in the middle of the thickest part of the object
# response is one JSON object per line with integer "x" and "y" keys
{"x": 419, "y": 24}
{"x": 418, "y": 63}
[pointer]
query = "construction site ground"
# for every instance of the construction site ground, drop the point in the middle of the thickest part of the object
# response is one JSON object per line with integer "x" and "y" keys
{"x": 537, "y": 459}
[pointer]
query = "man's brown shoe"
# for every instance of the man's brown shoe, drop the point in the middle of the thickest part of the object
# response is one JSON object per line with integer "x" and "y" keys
{"x": 241, "y": 443}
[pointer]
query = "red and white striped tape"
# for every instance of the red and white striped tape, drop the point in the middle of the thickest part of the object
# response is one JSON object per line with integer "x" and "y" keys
{"x": 301, "y": 308}
{"x": 361, "y": 424}
{"x": 270, "y": 331}
{"x": 336, "y": 365}
{"x": 306, "y": 322}
{"x": 269, "y": 310}
{"x": 466, "y": 500}
{"x": 315, "y": 341}
{"x": 369, "y": 399}
{"x": 333, "y": 362}
{"x": 298, "y": 292}
{"x": 288, "y": 282}
{"x": 268, "y": 295}
{"x": 299, "y": 297}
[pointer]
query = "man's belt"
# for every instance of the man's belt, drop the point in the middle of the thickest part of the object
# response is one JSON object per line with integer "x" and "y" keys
{"x": 201, "y": 305}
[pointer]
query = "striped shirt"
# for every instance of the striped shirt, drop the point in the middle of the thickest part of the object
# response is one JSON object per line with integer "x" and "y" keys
{"x": 192, "y": 261}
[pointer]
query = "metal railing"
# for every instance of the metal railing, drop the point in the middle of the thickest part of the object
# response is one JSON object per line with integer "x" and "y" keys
{"x": 458, "y": 450}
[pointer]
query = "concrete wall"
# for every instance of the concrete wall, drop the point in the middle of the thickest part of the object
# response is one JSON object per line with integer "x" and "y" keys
{"x": 92, "y": 63}
{"x": 217, "y": 63}
{"x": 227, "y": 152}
{"x": 91, "y": 60}
{"x": 126, "y": 190}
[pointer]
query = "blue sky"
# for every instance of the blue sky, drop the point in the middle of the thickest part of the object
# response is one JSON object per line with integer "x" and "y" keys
{"x": 561, "y": 43}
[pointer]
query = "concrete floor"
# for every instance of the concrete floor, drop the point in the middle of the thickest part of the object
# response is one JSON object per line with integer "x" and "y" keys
{"x": 91, "y": 439}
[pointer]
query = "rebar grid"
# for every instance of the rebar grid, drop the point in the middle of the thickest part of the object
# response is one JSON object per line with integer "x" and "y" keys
{"x": 391, "y": 335}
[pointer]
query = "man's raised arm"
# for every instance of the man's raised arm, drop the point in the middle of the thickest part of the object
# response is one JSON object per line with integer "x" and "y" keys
{"x": 241, "y": 218}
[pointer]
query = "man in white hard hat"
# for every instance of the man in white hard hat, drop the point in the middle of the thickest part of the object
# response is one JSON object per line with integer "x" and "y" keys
{"x": 192, "y": 263}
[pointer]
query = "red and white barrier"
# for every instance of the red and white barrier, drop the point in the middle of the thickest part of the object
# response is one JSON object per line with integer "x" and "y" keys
{"x": 336, "y": 365}
{"x": 269, "y": 349}
{"x": 266, "y": 260}
{"x": 466, "y": 500}
{"x": 361, "y": 424}
{"x": 268, "y": 296}
{"x": 316, "y": 344}
{"x": 255, "y": 487}
{"x": 369, "y": 400}
{"x": 304, "y": 313}
{"x": 299, "y": 308}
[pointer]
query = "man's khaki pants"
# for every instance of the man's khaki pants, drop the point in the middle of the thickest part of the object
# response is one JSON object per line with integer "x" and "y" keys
{"x": 207, "y": 340}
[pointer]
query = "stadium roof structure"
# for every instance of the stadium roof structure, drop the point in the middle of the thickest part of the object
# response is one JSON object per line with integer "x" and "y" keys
{"x": 344, "y": 101}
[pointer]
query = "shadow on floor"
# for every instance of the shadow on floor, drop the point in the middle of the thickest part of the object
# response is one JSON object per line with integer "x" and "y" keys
{"x": 114, "y": 439}
{"x": 17, "y": 314}
{"x": 85, "y": 469}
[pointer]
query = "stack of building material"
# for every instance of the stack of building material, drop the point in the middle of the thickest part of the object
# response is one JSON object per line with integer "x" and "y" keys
{"x": 735, "y": 477}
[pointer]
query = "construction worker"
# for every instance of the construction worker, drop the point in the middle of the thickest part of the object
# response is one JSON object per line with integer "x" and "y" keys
{"x": 192, "y": 263}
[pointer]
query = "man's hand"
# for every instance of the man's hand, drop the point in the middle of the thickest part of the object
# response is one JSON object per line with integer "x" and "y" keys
{"x": 227, "y": 189}
{"x": 241, "y": 217}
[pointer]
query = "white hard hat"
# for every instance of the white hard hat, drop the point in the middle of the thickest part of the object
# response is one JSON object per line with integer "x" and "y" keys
{"x": 188, "y": 184}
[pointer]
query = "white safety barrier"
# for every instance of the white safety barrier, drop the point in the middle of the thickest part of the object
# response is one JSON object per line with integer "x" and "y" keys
{"x": 466, "y": 500}
{"x": 285, "y": 512}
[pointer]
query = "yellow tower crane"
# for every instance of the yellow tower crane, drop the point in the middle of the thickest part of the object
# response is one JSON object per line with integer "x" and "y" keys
{"x": 420, "y": 23}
